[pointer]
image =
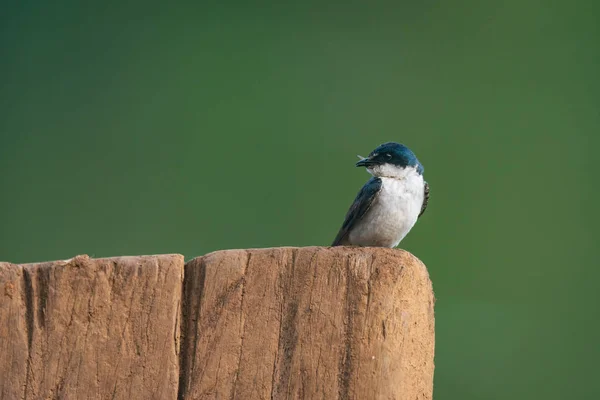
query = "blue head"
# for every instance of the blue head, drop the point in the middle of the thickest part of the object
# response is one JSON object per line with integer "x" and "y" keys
{"x": 391, "y": 156}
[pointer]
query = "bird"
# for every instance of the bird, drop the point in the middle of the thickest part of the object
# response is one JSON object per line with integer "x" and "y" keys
{"x": 390, "y": 203}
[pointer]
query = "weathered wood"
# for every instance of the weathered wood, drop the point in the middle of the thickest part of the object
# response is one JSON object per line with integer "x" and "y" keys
{"x": 91, "y": 328}
{"x": 308, "y": 323}
{"x": 281, "y": 323}
{"x": 13, "y": 333}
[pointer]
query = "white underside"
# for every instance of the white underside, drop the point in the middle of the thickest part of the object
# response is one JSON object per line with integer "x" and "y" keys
{"x": 393, "y": 213}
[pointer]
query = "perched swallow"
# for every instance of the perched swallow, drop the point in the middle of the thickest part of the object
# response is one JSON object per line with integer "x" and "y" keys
{"x": 389, "y": 204}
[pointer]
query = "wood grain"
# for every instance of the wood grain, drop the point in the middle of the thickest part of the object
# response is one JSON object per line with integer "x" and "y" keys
{"x": 279, "y": 323}
{"x": 307, "y": 323}
{"x": 91, "y": 328}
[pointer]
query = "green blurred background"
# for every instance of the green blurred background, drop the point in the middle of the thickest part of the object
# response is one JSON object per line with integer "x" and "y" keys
{"x": 149, "y": 128}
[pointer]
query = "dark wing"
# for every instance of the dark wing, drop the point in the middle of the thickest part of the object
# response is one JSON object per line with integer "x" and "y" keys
{"x": 425, "y": 199}
{"x": 359, "y": 208}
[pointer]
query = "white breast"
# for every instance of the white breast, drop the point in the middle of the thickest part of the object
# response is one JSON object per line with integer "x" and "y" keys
{"x": 393, "y": 213}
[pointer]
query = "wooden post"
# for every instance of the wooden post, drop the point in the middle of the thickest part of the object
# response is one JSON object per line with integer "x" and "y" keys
{"x": 281, "y": 323}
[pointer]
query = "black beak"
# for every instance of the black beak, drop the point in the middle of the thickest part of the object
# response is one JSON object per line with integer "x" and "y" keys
{"x": 365, "y": 162}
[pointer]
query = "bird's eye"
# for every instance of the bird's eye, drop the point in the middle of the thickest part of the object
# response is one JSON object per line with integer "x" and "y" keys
{"x": 388, "y": 156}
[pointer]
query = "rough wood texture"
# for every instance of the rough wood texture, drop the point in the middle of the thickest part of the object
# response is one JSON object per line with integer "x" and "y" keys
{"x": 84, "y": 328}
{"x": 308, "y": 323}
{"x": 281, "y": 323}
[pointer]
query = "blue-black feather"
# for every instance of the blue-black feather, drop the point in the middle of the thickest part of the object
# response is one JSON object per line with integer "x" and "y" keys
{"x": 396, "y": 154}
{"x": 359, "y": 208}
